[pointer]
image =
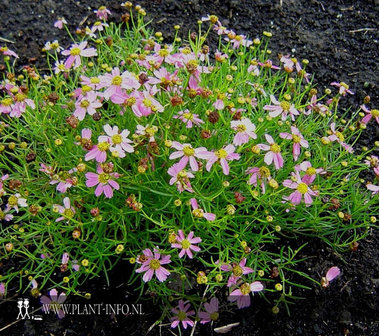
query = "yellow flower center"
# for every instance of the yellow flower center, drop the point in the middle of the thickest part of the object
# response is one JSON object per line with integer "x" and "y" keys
{"x": 214, "y": 316}
{"x": 12, "y": 200}
{"x": 75, "y": 51}
{"x": 375, "y": 113}
{"x": 95, "y": 80}
{"x": 237, "y": 270}
{"x": 68, "y": 213}
{"x": 192, "y": 65}
{"x": 2, "y": 215}
{"x": 199, "y": 213}
{"x": 221, "y": 153}
{"x": 182, "y": 174}
{"x": 285, "y": 105}
{"x": 163, "y": 52}
{"x": 310, "y": 171}
{"x": 188, "y": 151}
{"x": 84, "y": 103}
{"x": 241, "y": 128}
{"x": 340, "y": 136}
{"x": 147, "y": 102}
{"x": 103, "y": 146}
{"x": 86, "y": 88}
{"x": 302, "y": 188}
{"x": 150, "y": 131}
{"x": 131, "y": 101}
{"x": 117, "y": 139}
{"x": 245, "y": 289}
{"x": 188, "y": 116}
{"x": 182, "y": 315}
{"x": 264, "y": 172}
{"x": 7, "y": 102}
{"x": 296, "y": 138}
{"x": 155, "y": 264}
{"x": 20, "y": 97}
{"x": 117, "y": 80}
{"x": 104, "y": 177}
{"x": 275, "y": 148}
{"x": 344, "y": 85}
{"x": 185, "y": 244}
{"x": 63, "y": 175}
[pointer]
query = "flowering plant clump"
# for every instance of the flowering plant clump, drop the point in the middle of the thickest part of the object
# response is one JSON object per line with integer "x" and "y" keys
{"x": 189, "y": 161}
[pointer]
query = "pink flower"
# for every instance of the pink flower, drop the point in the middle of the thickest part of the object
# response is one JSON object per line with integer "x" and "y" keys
{"x": 98, "y": 152}
{"x": 153, "y": 265}
{"x": 118, "y": 141}
{"x": 187, "y": 154}
{"x": 2, "y": 190}
{"x": 268, "y": 65}
{"x": 115, "y": 82}
{"x": 87, "y": 104}
{"x": 188, "y": 118}
{"x": 245, "y": 130}
{"x": 19, "y": 103}
{"x": 372, "y": 187}
{"x": 5, "y": 216}
{"x": 2, "y": 290}
{"x": 14, "y": 201}
{"x": 67, "y": 210}
{"x": 193, "y": 88}
{"x": 237, "y": 40}
{"x": 63, "y": 180}
{"x": 302, "y": 189}
{"x": 284, "y": 108}
{"x": 220, "y": 29}
{"x": 370, "y": 114}
{"x": 273, "y": 152}
{"x": 182, "y": 315}
{"x": 146, "y": 104}
{"x": 7, "y": 52}
{"x": 98, "y": 26}
{"x": 261, "y": 174}
{"x": 289, "y": 63}
{"x": 180, "y": 177}
{"x": 211, "y": 311}
{"x": 103, "y": 181}
{"x": 253, "y": 67}
{"x": 102, "y": 13}
{"x": 199, "y": 213}
{"x": 147, "y": 131}
{"x": 237, "y": 269}
{"x": 242, "y": 295}
{"x": 54, "y": 303}
{"x": 298, "y": 140}
{"x": 60, "y": 22}
{"x": 310, "y": 172}
{"x": 221, "y": 156}
{"x": 186, "y": 244}
{"x": 316, "y": 107}
{"x": 165, "y": 79}
{"x": 75, "y": 52}
{"x": 331, "y": 274}
{"x": 343, "y": 88}
{"x": 338, "y": 136}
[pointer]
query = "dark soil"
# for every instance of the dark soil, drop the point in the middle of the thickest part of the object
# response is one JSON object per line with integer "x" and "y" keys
{"x": 340, "y": 39}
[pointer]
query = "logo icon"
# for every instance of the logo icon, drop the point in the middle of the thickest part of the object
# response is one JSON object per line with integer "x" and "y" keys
{"x": 23, "y": 303}
{"x": 23, "y": 310}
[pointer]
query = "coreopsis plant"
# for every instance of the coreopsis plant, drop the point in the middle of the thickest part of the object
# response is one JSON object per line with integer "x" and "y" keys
{"x": 190, "y": 161}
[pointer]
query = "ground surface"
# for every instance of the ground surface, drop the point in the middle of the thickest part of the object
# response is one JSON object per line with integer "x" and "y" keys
{"x": 340, "y": 39}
